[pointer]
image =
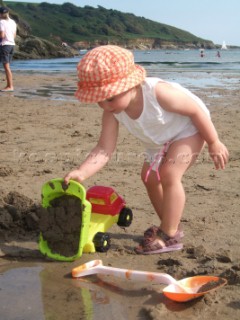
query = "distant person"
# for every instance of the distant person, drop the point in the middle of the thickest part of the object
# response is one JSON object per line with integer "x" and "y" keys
{"x": 8, "y": 30}
{"x": 218, "y": 54}
{"x": 172, "y": 123}
{"x": 202, "y": 52}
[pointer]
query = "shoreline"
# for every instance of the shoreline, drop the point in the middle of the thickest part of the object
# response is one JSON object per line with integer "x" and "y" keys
{"x": 43, "y": 138}
{"x": 61, "y": 86}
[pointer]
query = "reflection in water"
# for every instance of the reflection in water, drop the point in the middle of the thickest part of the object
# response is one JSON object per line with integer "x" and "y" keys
{"x": 48, "y": 292}
{"x": 62, "y": 301}
{"x": 187, "y": 79}
{"x": 72, "y": 299}
{"x": 101, "y": 302}
{"x": 20, "y": 294}
{"x": 50, "y": 92}
{"x": 126, "y": 300}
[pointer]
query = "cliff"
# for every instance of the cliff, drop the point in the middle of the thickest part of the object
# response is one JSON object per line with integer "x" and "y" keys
{"x": 50, "y": 31}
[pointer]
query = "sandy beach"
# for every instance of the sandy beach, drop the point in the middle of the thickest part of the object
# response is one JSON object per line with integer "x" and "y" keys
{"x": 43, "y": 137}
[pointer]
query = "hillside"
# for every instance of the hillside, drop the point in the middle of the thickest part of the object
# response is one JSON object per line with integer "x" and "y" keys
{"x": 88, "y": 25}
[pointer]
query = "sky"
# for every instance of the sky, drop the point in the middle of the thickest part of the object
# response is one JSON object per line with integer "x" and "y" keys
{"x": 215, "y": 20}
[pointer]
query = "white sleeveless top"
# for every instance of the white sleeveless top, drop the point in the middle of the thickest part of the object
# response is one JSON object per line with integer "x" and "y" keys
{"x": 156, "y": 126}
{"x": 9, "y": 27}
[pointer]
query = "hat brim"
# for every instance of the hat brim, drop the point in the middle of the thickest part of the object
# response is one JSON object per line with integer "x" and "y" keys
{"x": 101, "y": 93}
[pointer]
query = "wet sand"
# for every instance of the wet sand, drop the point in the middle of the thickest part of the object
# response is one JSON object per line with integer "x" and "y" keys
{"x": 42, "y": 137}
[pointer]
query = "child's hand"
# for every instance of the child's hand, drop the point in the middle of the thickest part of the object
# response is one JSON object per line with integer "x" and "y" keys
{"x": 219, "y": 154}
{"x": 74, "y": 175}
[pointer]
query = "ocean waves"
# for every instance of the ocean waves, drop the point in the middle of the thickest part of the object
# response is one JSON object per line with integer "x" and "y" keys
{"x": 154, "y": 61}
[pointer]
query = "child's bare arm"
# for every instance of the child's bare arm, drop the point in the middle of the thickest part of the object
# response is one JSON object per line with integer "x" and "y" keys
{"x": 100, "y": 154}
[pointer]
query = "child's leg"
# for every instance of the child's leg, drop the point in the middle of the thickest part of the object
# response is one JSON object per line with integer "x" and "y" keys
{"x": 168, "y": 196}
{"x": 154, "y": 189}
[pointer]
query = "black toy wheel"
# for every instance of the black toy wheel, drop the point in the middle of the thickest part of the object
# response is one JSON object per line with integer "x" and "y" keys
{"x": 125, "y": 217}
{"x": 101, "y": 241}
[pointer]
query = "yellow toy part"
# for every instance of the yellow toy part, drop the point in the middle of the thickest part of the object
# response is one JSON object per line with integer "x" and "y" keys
{"x": 99, "y": 241}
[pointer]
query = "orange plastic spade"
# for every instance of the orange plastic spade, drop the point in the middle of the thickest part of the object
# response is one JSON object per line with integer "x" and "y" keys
{"x": 181, "y": 291}
{"x": 199, "y": 285}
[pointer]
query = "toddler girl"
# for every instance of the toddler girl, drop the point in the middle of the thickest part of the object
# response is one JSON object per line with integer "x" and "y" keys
{"x": 172, "y": 123}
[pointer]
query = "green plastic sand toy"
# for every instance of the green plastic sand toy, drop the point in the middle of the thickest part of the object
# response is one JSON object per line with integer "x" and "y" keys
{"x": 100, "y": 208}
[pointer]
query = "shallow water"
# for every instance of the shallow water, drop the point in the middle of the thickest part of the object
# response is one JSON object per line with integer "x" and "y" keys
{"x": 46, "y": 291}
{"x": 191, "y": 80}
{"x": 183, "y": 66}
{"x": 20, "y": 295}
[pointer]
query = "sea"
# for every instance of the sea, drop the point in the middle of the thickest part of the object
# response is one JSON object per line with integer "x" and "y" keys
{"x": 185, "y": 66}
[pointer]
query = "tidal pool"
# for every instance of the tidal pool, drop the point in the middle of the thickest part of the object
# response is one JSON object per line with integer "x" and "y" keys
{"x": 46, "y": 291}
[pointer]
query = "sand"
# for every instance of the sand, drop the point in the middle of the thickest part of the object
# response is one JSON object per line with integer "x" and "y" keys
{"x": 43, "y": 137}
{"x": 60, "y": 225}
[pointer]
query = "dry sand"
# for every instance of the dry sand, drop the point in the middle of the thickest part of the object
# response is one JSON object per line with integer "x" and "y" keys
{"x": 43, "y": 138}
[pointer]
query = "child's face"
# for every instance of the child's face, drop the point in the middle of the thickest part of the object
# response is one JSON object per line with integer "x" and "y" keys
{"x": 117, "y": 103}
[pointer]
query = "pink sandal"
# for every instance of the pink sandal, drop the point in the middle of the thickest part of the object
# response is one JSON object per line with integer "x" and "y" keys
{"x": 152, "y": 245}
{"x": 153, "y": 230}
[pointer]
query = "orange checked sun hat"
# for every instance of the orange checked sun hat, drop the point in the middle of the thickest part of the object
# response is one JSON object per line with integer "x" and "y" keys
{"x": 107, "y": 71}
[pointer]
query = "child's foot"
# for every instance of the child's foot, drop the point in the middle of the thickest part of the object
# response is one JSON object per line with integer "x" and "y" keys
{"x": 7, "y": 89}
{"x": 160, "y": 243}
{"x": 152, "y": 232}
